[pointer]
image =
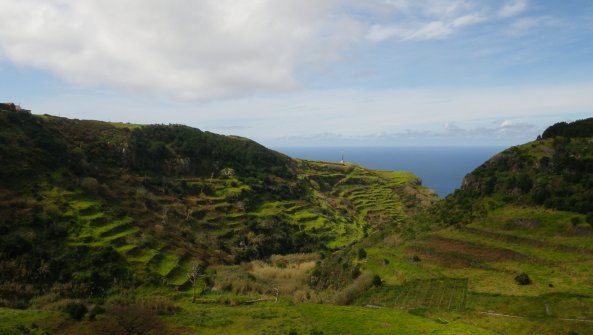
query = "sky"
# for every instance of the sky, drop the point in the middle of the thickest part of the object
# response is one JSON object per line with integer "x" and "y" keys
{"x": 307, "y": 73}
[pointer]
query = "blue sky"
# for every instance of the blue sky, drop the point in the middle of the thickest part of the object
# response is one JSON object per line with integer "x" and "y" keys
{"x": 318, "y": 73}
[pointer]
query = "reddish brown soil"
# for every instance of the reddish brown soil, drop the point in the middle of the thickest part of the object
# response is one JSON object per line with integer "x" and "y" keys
{"x": 460, "y": 254}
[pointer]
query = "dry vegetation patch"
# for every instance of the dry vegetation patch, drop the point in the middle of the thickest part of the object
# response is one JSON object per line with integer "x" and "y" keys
{"x": 355, "y": 289}
{"x": 479, "y": 252}
{"x": 287, "y": 273}
{"x": 460, "y": 254}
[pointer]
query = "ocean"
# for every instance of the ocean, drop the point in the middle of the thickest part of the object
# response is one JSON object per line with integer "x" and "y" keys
{"x": 440, "y": 168}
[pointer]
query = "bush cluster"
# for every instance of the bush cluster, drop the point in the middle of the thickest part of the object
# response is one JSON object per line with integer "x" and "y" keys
{"x": 522, "y": 279}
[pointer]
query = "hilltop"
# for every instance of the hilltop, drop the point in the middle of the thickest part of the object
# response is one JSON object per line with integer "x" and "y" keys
{"x": 555, "y": 172}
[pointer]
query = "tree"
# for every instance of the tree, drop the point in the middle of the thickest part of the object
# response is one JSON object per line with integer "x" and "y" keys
{"x": 196, "y": 271}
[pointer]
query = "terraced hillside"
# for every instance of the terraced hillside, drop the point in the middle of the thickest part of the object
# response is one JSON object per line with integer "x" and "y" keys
{"x": 99, "y": 220}
{"x": 92, "y": 204}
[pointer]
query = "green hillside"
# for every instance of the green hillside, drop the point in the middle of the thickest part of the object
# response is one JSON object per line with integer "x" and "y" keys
{"x": 90, "y": 208}
{"x": 555, "y": 172}
{"x": 525, "y": 211}
{"x": 101, "y": 223}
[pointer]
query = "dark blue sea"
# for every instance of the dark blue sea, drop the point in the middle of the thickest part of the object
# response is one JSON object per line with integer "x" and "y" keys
{"x": 440, "y": 168}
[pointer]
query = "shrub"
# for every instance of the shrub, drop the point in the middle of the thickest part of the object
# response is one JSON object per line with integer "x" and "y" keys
{"x": 294, "y": 276}
{"x": 352, "y": 291}
{"x": 522, "y": 279}
{"x": 237, "y": 280}
{"x": 300, "y": 296}
{"x": 377, "y": 281}
{"x": 96, "y": 310}
{"x": 575, "y": 220}
{"x": 90, "y": 184}
{"x": 345, "y": 265}
{"x": 362, "y": 254}
{"x": 76, "y": 310}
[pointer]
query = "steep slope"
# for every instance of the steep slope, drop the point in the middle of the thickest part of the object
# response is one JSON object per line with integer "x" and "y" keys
{"x": 89, "y": 205}
{"x": 555, "y": 172}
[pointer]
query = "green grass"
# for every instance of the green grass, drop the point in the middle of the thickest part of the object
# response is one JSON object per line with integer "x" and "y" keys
{"x": 144, "y": 256}
{"x": 13, "y": 321}
{"x": 117, "y": 224}
{"x": 557, "y": 260}
{"x": 166, "y": 263}
{"x": 282, "y": 318}
{"x": 126, "y": 125}
{"x": 440, "y": 294}
{"x": 398, "y": 177}
{"x": 179, "y": 277}
{"x": 546, "y": 222}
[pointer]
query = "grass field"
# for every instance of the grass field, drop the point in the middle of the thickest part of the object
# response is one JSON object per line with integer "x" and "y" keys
{"x": 470, "y": 271}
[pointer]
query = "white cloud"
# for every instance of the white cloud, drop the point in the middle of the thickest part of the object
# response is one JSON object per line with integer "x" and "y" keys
{"x": 467, "y": 20}
{"x": 435, "y": 29}
{"x": 210, "y": 49}
{"x": 513, "y": 8}
{"x": 186, "y": 49}
{"x": 425, "y": 31}
{"x": 378, "y": 33}
{"x": 534, "y": 24}
{"x": 437, "y": 19}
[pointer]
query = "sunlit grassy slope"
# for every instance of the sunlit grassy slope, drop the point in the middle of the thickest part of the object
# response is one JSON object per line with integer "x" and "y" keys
{"x": 471, "y": 269}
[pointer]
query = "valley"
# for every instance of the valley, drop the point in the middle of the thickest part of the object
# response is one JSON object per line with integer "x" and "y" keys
{"x": 104, "y": 219}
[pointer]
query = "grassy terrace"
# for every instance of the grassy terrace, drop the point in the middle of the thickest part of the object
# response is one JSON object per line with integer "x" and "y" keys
{"x": 345, "y": 203}
{"x": 283, "y": 318}
{"x": 468, "y": 272}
